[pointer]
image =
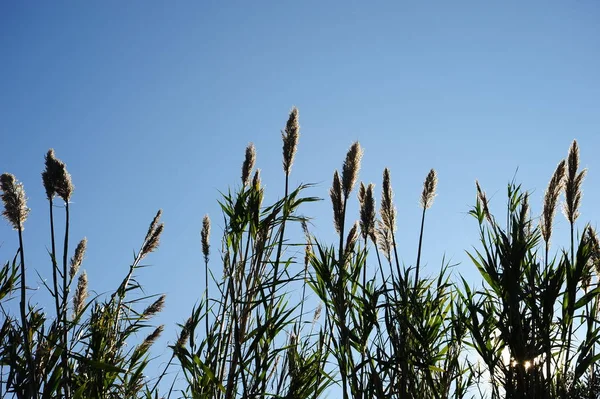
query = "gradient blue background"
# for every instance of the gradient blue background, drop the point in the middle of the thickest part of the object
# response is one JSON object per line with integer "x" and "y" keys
{"x": 151, "y": 105}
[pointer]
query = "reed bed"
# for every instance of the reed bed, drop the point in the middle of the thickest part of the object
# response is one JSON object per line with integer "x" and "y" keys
{"x": 380, "y": 329}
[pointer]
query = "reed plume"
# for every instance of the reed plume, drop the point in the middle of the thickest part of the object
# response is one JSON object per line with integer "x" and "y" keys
{"x": 482, "y": 198}
{"x": 184, "y": 336}
{"x": 15, "y": 201}
{"x": 384, "y": 240}
{"x": 56, "y": 178}
{"x": 81, "y": 294}
{"x": 77, "y": 257}
{"x": 352, "y": 237}
{"x": 367, "y": 211}
{"x": 551, "y": 199}
{"x": 256, "y": 183}
{"x": 429, "y": 187}
{"x": 388, "y": 210}
{"x": 290, "y": 140}
{"x": 351, "y": 168}
{"x": 337, "y": 201}
{"x": 205, "y": 236}
{"x": 573, "y": 184}
{"x": 152, "y": 235}
{"x": 248, "y": 164}
{"x": 151, "y": 338}
{"x": 155, "y": 308}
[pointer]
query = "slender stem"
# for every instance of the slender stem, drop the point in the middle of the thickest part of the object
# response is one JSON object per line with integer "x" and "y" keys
{"x": 65, "y": 297}
{"x": 24, "y": 323}
{"x": 419, "y": 250}
{"x": 54, "y": 263}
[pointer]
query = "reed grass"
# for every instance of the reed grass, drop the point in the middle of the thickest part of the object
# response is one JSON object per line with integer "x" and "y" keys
{"x": 346, "y": 318}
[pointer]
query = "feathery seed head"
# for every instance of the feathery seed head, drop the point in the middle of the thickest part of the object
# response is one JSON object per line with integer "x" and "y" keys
{"x": 150, "y": 339}
{"x": 56, "y": 178}
{"x": 185, "y": 333}
{"x": 15, "y": 201}
{"x": 555, "y": 186}
{"x": 154, "y": 308}
{"x": 482, "y": 198}
{"x": 81, "y": 294}
{"x": 256, "y": 180}
{"x": 388, "y": 210}
{"x": 153, "y": 225}
{"x": 49, "y": 174}
{"x": 384, "y": 240}
{"x": 77, "y": 257}
{"x": 248, "y": 164}
{"x": 154, "y": 240}
{"x": 290, "y": 140}
{"x": 352, "y": 237}
{"x": 524, "y": 213}
{"x": 351, "y": 168}
{"x": 335, "y": 193}
{"x": 573, "y": 183}
{"x": 429, "y": 187}
{"x": 205, "y": 235}
{"x": 594, "y": 243}
{"x": 367, "y": 211}
{"x": 362, "y": 192}
{"x": 317, "y": 313}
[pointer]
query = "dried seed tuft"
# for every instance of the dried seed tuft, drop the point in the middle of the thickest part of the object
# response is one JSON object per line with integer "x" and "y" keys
{"x": 367, "y": 211}
{"x": 482, "y": 198}
{"x": 573, "y": 183}
{"x": 154, "y": 308}
{"x": 351, "y": 168}
{"x": 81, "y": 294}
{"x": 77, "y": 257}
{"x": 388, "y": 211}
{"x": 337, "y": 201}
{"x": 248, "y": 164}
{"x": 290, "y": 138}
{"x": 15, "y": 201}
{"x": 205, "y": 236}
{"x": 56, "y": 178}
{"x": 150, "y": 339}
{"x": 429, "y": 187}
{"x": 184, "y": 336}
{"x": 551, "y": 199}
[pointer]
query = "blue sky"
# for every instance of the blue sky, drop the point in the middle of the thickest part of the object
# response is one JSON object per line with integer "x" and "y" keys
{"x": 151, "y": 105}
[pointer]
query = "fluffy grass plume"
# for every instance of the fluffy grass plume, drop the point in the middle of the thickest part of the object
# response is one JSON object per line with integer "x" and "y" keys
{"x": 15, "y": 201}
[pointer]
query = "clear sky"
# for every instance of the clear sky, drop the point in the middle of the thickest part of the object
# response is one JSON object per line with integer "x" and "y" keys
{"x": 151, "y": 105}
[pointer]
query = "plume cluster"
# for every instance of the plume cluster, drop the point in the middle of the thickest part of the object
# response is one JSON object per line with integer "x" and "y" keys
{"x": 153, "y": 235}
{"x": 351, "y": 168}
{"x": 15, "y": 201}
{"x": 81, "y": 293}
{"x": 551, "y": 199}
{"x": 78, "y": 257}
{"x": 290, "y": 138}
{"x": 366, "y": 200}
{"x": 429, "y": 187}
{"x": 388, "y": 210}
{"x": 205, "y": 237}
{"x": 335, "y": 193}
{"x": 482, "y": 198}
{"x": 248, "y": 164}
{"x": 573, "y": 184}
{"x": 56, "y": 179}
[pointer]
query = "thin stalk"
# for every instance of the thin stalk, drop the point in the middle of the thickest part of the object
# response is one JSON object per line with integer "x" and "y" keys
{"x": 64, "y": 359}
{"x": 24, "y": 323}
{"x": 419, "y": 250}
{"x": 568, "y": 354}
{"x": 548, "y": 348}
{"x": 54, "y": 263}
